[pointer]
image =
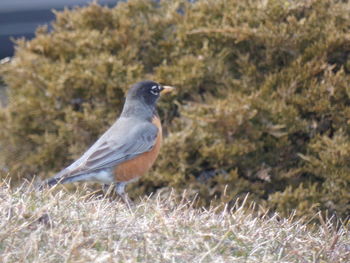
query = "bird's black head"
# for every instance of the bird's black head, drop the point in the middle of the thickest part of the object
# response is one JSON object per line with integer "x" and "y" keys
{"x": 147, "y": 91}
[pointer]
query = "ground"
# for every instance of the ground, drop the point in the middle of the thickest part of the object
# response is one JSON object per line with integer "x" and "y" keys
{"x": 60, "y": 226}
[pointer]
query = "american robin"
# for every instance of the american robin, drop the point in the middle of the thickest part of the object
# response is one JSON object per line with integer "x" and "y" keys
{"x": 128, "y": 149}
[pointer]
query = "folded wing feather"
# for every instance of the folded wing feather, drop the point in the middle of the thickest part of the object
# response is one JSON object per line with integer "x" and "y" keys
{"x": 123, "y": 141}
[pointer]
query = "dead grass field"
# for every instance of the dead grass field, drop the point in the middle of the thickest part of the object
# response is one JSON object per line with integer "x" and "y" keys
{"x": 56, "y": 226}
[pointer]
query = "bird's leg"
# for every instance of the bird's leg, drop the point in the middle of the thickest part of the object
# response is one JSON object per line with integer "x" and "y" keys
{"x": 120, "y": 190}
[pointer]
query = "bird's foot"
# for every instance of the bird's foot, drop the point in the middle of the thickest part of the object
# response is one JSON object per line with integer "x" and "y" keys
{"x": 127, "y": 200}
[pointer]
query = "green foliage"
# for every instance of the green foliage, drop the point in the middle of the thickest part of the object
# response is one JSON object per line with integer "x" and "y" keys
{"x": 262, "y": 103}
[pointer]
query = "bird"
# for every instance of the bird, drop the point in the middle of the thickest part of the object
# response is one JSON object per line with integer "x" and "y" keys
{"x": 128, "y": 149}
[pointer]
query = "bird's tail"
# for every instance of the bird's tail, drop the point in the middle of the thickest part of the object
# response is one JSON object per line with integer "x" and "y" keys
{"x": 63, "y": 180}
{"x": 55, "y": 180}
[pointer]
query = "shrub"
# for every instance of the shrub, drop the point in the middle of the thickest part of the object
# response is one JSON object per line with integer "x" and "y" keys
{"x": 262, "y": 103}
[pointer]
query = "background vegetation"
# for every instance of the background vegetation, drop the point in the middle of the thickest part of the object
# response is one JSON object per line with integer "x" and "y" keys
{"x": 262, "y": 103}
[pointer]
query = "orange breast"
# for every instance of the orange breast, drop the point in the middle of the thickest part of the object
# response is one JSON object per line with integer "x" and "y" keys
{"x": 137, "y": 167}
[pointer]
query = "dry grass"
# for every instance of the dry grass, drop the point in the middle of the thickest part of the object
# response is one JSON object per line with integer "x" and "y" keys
{"x": 79, "y": 227}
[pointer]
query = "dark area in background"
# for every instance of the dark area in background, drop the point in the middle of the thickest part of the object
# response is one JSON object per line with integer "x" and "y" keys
{"x": 20, "y": 18}
{"x": 3, "y": 97}
{"x": 17, "y": 24}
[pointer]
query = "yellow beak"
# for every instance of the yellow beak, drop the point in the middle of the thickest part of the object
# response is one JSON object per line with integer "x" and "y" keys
{"x": 167, "y": 89}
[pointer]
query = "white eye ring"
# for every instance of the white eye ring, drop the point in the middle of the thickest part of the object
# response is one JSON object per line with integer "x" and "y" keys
{"x": 154, "y": 92}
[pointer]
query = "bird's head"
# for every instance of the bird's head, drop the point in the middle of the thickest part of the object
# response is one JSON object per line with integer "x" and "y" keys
{"x": 147, "y": 91}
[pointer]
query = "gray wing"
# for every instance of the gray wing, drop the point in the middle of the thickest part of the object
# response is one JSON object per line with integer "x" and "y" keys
{"x": 123, "y": 141}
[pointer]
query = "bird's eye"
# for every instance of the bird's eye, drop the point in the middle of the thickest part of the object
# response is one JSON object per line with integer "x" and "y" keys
{"x": 155, "y": 90}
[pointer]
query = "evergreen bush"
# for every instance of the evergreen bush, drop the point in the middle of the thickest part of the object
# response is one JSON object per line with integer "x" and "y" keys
{"x": 262, "y": 103}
